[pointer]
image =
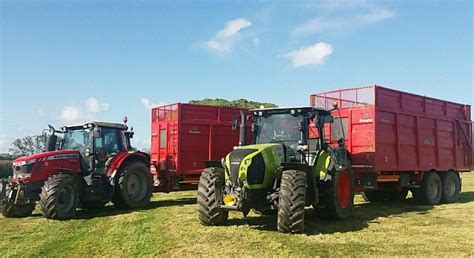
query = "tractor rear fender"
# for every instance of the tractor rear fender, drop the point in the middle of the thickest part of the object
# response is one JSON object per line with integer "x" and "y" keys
{"x": 123, "y": 158}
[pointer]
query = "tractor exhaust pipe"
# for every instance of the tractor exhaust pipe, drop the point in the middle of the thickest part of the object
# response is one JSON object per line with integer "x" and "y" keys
{"x": 50, "y": 139}
{"x": 242, "y": 129}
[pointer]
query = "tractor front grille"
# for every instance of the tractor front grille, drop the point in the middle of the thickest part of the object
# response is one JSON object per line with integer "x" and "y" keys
{"x": 256, "y": 170}
{"x": 236, "y": 158}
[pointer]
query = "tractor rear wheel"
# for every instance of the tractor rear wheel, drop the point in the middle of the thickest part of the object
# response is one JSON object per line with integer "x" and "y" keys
{"x": 451, "y": 187}
{"x": 210, "y": 196}
{"x": 291, "y": 202}
{"x": 59, "y": 197}
{"x": 430, "y": 190}
{"x": 337, "y": 196}
{"x": 134, "y": 186}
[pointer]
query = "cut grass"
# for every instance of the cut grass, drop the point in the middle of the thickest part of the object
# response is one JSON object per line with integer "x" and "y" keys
{"x": 169, "y": 227}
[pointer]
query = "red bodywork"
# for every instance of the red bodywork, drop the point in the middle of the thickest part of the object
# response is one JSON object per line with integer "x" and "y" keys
{"x": 49, "y": 163}
{"x": 183, "y": 136}
{"x": 390, "y": 133}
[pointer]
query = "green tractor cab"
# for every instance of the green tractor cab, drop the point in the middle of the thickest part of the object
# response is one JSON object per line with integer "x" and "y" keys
{"x": 289, "y": 166}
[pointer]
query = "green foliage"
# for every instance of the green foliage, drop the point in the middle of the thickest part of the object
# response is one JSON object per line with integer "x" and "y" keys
{"x": 28, "y": 145}
{"x": 5, "y": 168}
{"x": 241, "y": 103}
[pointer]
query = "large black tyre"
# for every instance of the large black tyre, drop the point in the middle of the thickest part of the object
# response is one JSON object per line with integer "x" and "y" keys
{"x": 134, "y": 186}
{"x": 291, "y": 202}
{"x": 337, "y": 196}
{"x": 430, "y": 190}
{"x": 451, "y": 187}
{"x": 59, "y": 197}
{"x": 10, "y": 210}
{"x": 210, "y": 196}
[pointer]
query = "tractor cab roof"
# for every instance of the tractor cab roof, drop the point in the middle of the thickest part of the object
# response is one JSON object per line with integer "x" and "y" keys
{"x": 94, "y": 124}
{"x": 295, "y": 111}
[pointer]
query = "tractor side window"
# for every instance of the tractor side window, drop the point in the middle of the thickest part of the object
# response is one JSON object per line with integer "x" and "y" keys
{"x": 336, "y": 131}
{"x": 162, "y": 138}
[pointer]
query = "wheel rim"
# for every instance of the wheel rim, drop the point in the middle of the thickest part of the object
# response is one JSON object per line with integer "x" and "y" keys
{"x": 66, "y": 198}
{"x": 344, "y": 189}
{"x": 136, "y": 186}
{"x": 450, "y": 187}
{"x": 432, "y": 189}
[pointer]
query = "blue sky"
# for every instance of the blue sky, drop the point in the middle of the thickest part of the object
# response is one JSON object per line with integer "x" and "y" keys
{"x": 68, "y": 61}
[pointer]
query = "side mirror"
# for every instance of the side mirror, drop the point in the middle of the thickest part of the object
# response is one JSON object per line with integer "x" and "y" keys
{"x": 234, "y": 124}
{"x": 96, "y": 132}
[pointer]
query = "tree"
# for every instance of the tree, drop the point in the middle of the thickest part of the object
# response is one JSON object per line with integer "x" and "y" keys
{"x": 241, "y": 103}
{"x": 28, "y": 145}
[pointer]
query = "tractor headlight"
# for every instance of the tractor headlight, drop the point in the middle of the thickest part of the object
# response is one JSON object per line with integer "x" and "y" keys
{"x": 23, "y": 169}
{"x": 247, "y": 162}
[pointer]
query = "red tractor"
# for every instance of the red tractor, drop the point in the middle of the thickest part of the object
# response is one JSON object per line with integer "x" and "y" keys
{"x": 84, "y": 165}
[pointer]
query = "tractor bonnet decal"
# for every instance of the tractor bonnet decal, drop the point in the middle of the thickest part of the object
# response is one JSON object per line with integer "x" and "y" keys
{"x": 63, "y": 156}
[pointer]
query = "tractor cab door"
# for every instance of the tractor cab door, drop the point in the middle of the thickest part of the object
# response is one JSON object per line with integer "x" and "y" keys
{"x": 109, "y": 143}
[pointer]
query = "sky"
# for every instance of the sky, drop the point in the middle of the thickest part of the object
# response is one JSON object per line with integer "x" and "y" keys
{"x": 63, "y": 62}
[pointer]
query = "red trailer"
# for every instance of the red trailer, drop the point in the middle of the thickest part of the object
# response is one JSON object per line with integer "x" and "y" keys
{"x": 400, "y": 141}
{"x": 183, "y": 136}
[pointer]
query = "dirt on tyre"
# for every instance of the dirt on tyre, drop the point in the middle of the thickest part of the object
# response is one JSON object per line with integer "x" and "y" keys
{"x": 210, "y": 197}
{"x": 451, "y": 186}
{"x": 291, "y": 203}
{"x": 337, "y": 196}
{"x": 134, "y": 186}
{"x": 59, "y": 197}
{"x": 430, "y": 190}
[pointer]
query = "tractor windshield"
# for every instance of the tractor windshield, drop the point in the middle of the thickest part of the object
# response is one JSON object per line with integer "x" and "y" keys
{"x": 283, "y": 128}
{"x": 76, "y": 140}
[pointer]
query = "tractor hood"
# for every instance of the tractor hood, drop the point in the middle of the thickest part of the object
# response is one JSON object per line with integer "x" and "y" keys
{"x": 45, "y": 156}
{"x": 254, "y": 166}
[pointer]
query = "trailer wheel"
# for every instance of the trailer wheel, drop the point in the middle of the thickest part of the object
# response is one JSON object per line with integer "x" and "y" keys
{"x": 430, "y": 190}
{"x": 59, "y": 197}
{"x": 291, "y": 203}
{"x": 451, "y": 187}
{"x": 210, "y": 196}
{"x": 337, "y": 196}
{"x": 134, "y": 186}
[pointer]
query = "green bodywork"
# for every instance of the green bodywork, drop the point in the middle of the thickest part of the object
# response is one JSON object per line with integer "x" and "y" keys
{"x": 273, "y": 156}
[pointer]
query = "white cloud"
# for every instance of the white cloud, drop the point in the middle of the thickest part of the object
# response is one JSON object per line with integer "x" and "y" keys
{"x": 310, "y": 55}
{"x": 149, "y": 105}
{"x": 223, "y": 41}
{"x": 71, "y": 115}
{"x": 93, "y": 105}
{"x": 340, "y": 15}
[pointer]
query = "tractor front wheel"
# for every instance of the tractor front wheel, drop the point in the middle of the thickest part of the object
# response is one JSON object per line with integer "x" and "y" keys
{"x": 292, "y": 202}
{"x": 134, "y": 186}
{"x": 210, "y": 196}
{"x": 337, "y": 196}
{"x": 59, "y": 197}
{"x": 10, "y": 210}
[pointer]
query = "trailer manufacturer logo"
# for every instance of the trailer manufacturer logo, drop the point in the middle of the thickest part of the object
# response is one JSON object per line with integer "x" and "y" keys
{"x": 365, "y": 119}
{"x": 427, "y": 141}
{"x": 194, "y": 130}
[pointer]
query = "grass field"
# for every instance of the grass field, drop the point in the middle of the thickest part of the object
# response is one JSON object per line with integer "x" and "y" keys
{"x": 170, "y": 228}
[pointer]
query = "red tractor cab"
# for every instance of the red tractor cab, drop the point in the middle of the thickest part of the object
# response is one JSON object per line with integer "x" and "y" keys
{"x": 83, "y": 165}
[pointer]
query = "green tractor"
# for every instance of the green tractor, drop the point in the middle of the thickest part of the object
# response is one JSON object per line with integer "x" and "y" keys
{"x": 289, "y": 166}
